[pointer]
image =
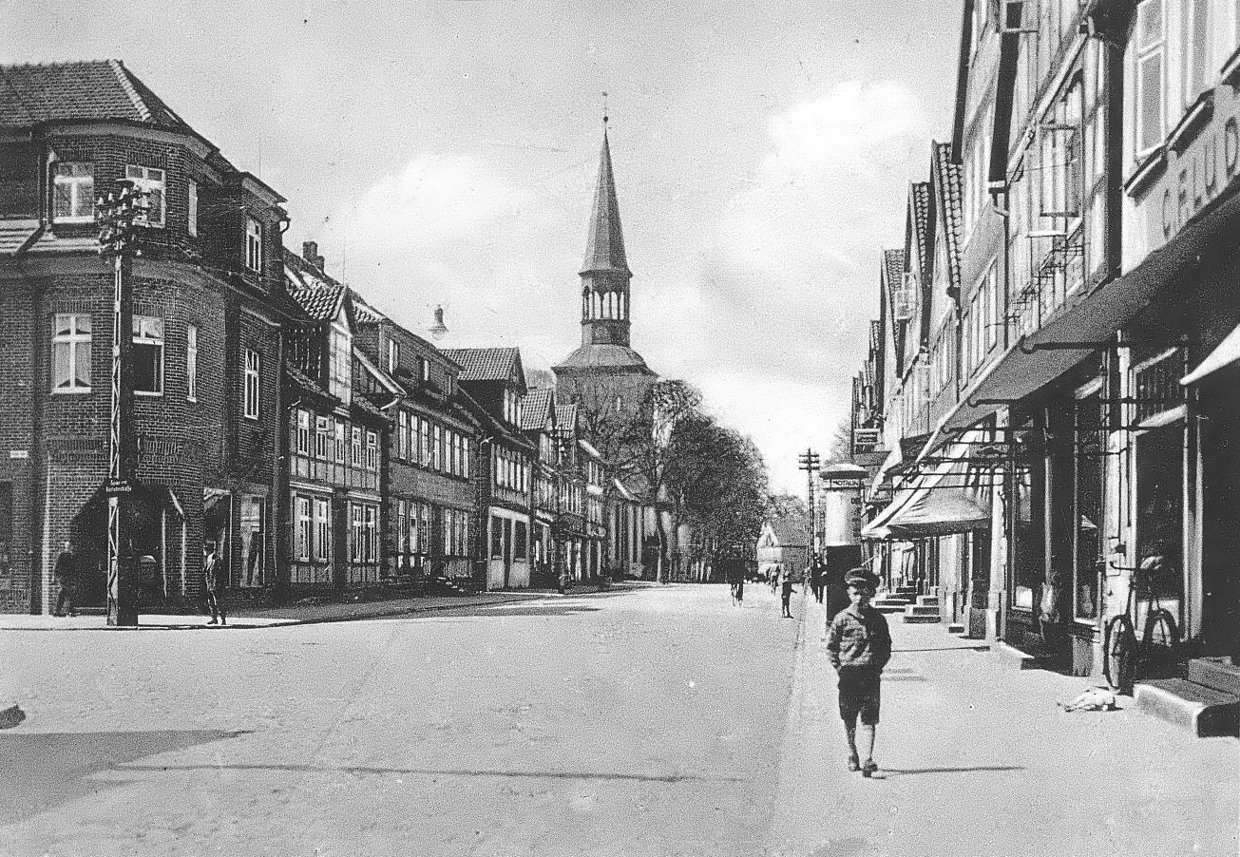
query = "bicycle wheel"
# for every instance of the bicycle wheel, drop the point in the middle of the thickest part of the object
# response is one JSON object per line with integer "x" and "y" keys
{"x": 1160, "y": 642}
{"x": 1119, "y": 653}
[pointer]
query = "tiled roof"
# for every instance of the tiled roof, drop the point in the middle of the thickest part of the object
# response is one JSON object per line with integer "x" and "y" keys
{"x": 791, "y": 531}
{"x": 566, "y": 415}
{"x": 946, "y": 175}
{"x": 364, "y": 312}
{"x": 919, "y": 220}
{"x": 369, "y": 408}
{"x": 599, "y": 356}
{"x": 484, "y": 364}
{"x": 315, "y": 292}
{"x": 100, "y": 89}
{"x": 303, "y": 382}
{"x": 536, "y": 409}
{"x": 893, "y": 268}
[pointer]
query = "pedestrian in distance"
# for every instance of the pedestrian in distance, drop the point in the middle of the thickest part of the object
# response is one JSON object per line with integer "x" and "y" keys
{"x": 859, "y": 646}
{"x": 564, "y": 581}
{"x": 66, "y": 574}
{"x": 212, "y": 572}
{"x": 738, "y": 591}
{"x": 785, "y": 591}
{"x": 820, "y": 580}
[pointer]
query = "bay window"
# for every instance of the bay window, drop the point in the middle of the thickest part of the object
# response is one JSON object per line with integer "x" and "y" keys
{"x": 73, "y": 192}
{"x": 71, "y": 353}
{"x": 149, "y": 181}
{"x": 148, "y": 355}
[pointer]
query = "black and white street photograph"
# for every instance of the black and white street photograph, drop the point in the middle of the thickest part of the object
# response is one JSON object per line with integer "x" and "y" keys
{"x": 617, "y": 428}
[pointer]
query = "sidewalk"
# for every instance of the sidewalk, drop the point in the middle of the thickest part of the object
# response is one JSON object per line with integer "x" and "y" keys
{"x": 299, "y": 614}
{"x": 976, "y": 758}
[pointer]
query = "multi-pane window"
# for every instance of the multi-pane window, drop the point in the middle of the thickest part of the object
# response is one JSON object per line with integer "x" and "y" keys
{"x": 1196, "y": 54}
{"x": 340, "y": 369}
{"x": 253, "y": 244}
{"x": 322, "y": 437}
{"x": 71, "y": 353}
{"x": 424, "y": 527}
{"x": 402, "y": 435}
{"x": 1061, "y": 170}
{"x": 252, "y": 364}
{"x": 303, "y": 432}
{"x": 356, "y": 447}
{"x": 191, "y": 362}
{"x": 465, "y": 469}
{"x": 322, "y": 531}
{"x": 149, "y": 181}
{"x": 437, "y": 448}
{"x": 191, "y": 202}
{"x": 73, "y": 192}
{"x": 148, "y": 355}
{"x": 302, "y": 542}
{"x": 402, "y": 531}
{"x": 424, "y": 442}
{"x": 372, "y": 451}
{"x": 1151, "y": 113}
{"x": 519, "y": 541}
{"x": 393, "y": 355}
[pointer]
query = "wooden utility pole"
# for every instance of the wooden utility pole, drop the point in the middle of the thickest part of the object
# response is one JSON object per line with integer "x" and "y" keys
{"x": 809, "y": 461}
{"x": 117, "y": 212}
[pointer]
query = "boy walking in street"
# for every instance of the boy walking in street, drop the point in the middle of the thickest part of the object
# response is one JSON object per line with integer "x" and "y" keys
{"x": 785, "y": 591}
{"x": 859, "y": 646}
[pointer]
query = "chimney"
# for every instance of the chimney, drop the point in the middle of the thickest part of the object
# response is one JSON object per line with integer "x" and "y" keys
{"x": 310, "y": 252}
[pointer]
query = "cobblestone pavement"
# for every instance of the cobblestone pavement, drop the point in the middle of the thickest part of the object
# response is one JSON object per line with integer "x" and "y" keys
{"x": 656, "y": 721}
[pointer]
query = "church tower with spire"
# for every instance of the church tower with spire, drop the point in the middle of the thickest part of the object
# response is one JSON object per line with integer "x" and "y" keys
{"x": 605, "y": 367}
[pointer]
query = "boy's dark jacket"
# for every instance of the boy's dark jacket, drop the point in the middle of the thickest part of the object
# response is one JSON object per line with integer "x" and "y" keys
{"x": 859, "y": 639}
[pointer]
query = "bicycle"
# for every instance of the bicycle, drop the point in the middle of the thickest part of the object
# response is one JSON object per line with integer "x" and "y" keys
{"x": 1160, "y": 639}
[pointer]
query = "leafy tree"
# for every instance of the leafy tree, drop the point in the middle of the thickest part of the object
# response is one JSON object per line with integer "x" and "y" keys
{"x": 719, "y": 481}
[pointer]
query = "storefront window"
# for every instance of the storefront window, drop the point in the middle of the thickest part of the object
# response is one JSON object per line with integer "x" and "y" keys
{"x": 1027, "y": 549}
{"x": 1087, "y": 505}
{"x": 252, "y": 540}
{"x": 1160, "y": 510}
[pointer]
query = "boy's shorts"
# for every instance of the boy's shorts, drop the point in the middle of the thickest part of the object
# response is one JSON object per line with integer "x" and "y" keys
{"x": 859, "y": 695}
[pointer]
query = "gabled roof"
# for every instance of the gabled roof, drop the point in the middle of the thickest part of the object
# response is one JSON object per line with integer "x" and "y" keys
{"x": 93, "y": 90}
{"x": 919, "y": 223}
{"x": 945, "y": 172}
{"x": 605, "y": 243}
{"x": 536, "y": 409}
{"x": 385, "y": 380}
{"x": 486, "y": 364}
{"x": 893, "y": 267}
{"x": 316, "y": 293}
{"x": 790, "y": 531}
{"x": 365, "y": 313}
{"x": 566, "y": 415}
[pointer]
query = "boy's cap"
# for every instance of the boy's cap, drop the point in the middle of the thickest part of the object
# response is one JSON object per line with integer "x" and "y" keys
{"x": 860, "y": 578}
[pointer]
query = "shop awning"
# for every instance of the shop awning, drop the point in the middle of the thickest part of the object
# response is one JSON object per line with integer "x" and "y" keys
{"x": 939, "y": 513}
{"x": 1226, "y": 353}
{"x": 880, "y": 528}
{"x": 1089, "y": 319}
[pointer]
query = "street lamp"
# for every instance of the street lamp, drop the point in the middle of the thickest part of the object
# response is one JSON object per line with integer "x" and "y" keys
{"x": 116, "y": 213}
{"x": 561, "y": 436}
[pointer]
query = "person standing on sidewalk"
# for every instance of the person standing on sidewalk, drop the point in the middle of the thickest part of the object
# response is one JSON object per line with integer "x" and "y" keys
{"x": 785, "y": 591}
{"x": 66, "y": 574}
{"x": 859, "y": 646}
{"x": 210, "y": 584}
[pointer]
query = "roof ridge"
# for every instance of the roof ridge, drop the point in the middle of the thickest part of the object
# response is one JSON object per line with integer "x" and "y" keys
{"x": 55, "y": 63}
{"x": 118, "y": 69}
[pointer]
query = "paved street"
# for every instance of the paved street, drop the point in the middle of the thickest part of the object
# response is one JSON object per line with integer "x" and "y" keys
{"x": 639, "y": 722}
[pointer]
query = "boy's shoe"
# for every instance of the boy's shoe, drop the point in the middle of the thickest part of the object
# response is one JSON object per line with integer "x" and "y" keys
{"x": 868, "y": 769}
{"x": 854, "y": 764}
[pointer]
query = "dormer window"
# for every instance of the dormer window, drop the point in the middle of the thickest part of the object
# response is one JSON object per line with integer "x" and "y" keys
{"x": 149, "y": 181}
{"x": 253, "y": 244}
{"x": 73, "y": 192}
{"x": 340, "y": 368}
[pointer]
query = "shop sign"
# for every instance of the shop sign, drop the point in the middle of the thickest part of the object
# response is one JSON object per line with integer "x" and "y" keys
{"x": 1196, "y": 173}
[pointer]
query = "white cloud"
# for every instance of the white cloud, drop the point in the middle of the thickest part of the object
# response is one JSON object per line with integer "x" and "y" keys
{"x": 789, "y": 277}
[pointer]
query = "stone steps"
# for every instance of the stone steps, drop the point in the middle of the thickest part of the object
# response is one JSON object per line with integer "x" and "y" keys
{"x": 1217, "y": 673}
{"x": 1203, "y": 711}
{"x": 921, "y": 613}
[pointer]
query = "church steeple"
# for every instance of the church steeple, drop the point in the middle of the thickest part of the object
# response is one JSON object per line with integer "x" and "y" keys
{"x": 605, "y": 272}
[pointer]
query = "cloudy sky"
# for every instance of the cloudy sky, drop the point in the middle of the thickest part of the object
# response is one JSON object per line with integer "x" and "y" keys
{"x": 445, "y": 151}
